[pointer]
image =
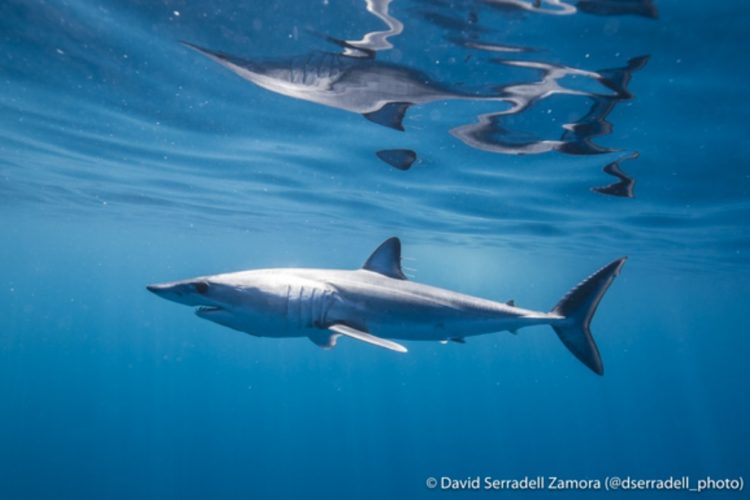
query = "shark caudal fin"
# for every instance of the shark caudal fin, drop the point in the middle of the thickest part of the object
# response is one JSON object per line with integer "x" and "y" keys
{"x": 578, "y": 307}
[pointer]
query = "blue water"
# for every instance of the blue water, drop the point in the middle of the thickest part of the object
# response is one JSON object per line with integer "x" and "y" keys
{"x": 127, "y": 158}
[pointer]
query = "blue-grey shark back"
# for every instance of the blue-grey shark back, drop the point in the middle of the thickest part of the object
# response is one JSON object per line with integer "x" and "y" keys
{"x": 377, "y": 304}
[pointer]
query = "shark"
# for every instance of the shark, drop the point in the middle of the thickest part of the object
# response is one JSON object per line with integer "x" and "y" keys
{"x": 377, "y": 304}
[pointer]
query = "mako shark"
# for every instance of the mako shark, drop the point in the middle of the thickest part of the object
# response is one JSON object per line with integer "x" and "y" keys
{"x": 377, "y": 304}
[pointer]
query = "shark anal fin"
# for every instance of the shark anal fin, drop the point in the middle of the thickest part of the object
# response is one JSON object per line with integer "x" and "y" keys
{"x": 366, "y": 337}
{"x": 386, "y": 259}
{"x": 391, "y": 115}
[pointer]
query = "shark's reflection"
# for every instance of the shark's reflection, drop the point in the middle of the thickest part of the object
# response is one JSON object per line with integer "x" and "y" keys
{"x": 379, "y": 91}
{"x": 576, "y": 138}
{"x": 557, "y": 7}
{"x": 401, "y": 159}
{"x": 383, "y": 92}
{"x": 378, "y": 40}
{"x": 624, "y": 185}
{"x": 644, "y": 8}
{"x": 356, "y": 80}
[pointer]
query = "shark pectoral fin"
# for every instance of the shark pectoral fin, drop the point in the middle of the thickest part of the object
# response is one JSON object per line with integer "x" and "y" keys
{"x": 390, "y": 115}
{"x": 324, "y": 340}
{"x": 366, "y": 337}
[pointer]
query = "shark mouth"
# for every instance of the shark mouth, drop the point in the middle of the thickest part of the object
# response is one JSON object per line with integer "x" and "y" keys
{"x": 207, "y": 309}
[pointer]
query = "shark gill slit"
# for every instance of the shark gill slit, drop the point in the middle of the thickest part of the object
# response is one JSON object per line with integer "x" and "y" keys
{"x": 288, "y": 305}
{"x": 300, "y": 295}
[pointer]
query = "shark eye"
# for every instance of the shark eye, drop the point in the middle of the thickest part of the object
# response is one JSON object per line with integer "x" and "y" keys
{"x": 201, "y": 287}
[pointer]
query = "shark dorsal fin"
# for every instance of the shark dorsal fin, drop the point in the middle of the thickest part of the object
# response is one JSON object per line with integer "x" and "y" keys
{"x": 511, "y": 303}
{"x": 386, "y": 259}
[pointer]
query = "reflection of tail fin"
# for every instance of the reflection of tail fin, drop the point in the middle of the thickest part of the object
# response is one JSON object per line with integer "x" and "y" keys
{"x": 578, "y": 137}
{"x": 645, "y": 8}
{"x": 618, "y": 79}
{"x": 625, "y": 184}
{"x": 578, "y": 307}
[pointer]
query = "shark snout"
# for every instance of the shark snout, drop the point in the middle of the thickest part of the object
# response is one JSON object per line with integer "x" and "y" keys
{"x": 167, "y": 290}
{"x": 190, "y": 293}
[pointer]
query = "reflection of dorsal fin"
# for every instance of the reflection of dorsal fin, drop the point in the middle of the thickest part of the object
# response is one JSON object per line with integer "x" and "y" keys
{"x": 458, "y": 340}
{"x": 511, "y": 303}
{"x": 350, "y": 50}
{"x": 390, "y": 115}
{"x": 401, "y": 159}
{"x": 386, "y": 259}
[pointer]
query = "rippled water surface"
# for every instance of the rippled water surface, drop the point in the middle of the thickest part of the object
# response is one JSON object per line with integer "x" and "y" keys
{"x": 514, "y": 146}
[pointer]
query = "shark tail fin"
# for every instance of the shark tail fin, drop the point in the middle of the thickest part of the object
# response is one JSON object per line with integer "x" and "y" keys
{"x": 578, "y": 307}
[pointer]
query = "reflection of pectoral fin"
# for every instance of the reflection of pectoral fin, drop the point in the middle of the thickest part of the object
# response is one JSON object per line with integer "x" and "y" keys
{"x": 366, "y": 337}
{"x": 390, "y": 115}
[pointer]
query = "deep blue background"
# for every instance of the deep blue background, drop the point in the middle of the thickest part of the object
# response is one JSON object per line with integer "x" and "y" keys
{"x": 126, "y": 159}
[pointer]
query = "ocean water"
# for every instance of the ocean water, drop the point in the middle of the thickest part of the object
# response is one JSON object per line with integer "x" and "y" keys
{"x": 543, "y": 140}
